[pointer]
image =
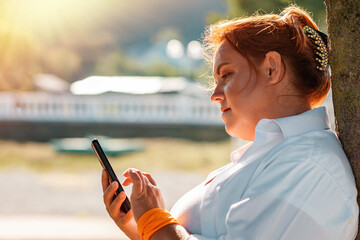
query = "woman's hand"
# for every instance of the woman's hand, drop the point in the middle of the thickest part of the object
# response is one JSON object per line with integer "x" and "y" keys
{"x": 124, "y": 221}
{"x": 145, "y": 193}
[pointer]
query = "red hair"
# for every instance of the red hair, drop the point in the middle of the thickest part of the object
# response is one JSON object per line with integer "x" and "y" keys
{"x": 254, "y": 36}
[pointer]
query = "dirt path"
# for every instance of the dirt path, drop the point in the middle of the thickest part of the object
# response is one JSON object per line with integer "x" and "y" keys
{"x": 59, "y": 205}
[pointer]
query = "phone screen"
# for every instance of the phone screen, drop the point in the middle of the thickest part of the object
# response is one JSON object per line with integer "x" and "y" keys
{"x": 125, "y": 207}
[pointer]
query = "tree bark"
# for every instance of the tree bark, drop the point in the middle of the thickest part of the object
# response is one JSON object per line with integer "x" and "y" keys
{"x": 343, "y": 19}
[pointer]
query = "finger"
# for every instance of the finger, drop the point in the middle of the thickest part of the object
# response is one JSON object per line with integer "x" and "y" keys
{"x": 127, "y": 181}
{"x": 150, "y": 178}
{"x": 109, "y": 194}
{"x": 127, "y": 172}
{"x": 147, "y": 175}
{"x": 115, "y": 206}
{"x": 137, "y": 182}
{"x": 104, "y": 180}
{"x": 141, "y": 175}
{"x": 143, "y": 178}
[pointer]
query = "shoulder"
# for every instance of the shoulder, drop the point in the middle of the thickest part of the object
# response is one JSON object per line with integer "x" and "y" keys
{"x": 314, "y": 155}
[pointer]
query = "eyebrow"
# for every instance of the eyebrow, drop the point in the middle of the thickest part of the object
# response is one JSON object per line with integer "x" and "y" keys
{"x": 220, "y": 66}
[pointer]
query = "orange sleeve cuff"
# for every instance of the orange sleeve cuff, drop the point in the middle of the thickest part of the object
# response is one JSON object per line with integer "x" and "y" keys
{"x": 152, "y": 220}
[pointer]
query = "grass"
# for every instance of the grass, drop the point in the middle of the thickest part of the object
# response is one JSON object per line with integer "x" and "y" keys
{"x": 159, "y": 153}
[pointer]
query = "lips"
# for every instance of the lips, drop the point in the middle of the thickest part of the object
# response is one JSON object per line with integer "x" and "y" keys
{"x": 225, "y": 109}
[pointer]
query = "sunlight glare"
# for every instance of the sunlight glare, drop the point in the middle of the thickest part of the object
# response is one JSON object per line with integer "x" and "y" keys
{"x": 47, "y": 17}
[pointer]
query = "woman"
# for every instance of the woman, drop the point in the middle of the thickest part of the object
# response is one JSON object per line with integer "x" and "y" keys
{"x": 293, "y": 180}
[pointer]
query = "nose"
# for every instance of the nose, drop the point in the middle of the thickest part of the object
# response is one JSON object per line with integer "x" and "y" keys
{"x": 218, "y": 95}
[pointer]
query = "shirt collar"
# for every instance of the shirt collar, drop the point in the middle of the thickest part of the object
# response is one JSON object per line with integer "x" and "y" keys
{"x": 236, "y": 155}
{"x": 269, "y": 132}
{"x": 313, "y": 120}
{"x": 267, "y": 135}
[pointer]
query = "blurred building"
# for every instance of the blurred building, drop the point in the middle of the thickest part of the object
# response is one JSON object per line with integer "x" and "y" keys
{"x": 114, "y": 107}
{"x": 138, "y": 85}
{"x": 50, "y": 83}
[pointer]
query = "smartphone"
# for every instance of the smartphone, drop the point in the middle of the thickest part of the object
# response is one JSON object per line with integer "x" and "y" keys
{"x": 125, "y": 207}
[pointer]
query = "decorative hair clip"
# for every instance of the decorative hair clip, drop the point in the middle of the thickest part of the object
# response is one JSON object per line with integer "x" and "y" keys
{"x": 319, "y": 41}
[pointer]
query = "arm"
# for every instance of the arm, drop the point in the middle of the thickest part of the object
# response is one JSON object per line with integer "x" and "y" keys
{"x": 171, "y": 232}
{"x": 146, "y": 195}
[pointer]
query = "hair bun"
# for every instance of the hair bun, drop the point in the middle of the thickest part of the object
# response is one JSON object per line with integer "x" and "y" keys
{"x": 298, "y": 17}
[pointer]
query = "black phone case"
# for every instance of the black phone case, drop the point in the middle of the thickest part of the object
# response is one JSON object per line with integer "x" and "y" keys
{"x": 125, "y": 207}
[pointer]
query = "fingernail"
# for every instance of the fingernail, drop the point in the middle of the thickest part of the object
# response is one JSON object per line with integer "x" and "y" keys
{"x": 122, "y": 193}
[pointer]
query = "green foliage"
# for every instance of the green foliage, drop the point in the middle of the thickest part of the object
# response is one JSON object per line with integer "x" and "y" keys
{"x": 165, "y": 34}
{"x": 161, "y": 68}
{"x": 117, "y": 64}
{"x": 239, "y": 8}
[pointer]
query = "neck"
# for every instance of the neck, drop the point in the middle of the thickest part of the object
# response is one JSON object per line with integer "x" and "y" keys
{"x": 292, "y": 108}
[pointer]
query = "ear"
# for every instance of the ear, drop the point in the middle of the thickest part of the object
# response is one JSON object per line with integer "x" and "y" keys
{"x": 273, "y": 67}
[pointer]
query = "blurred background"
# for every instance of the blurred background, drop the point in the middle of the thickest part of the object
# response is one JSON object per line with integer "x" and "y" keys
{"x": 129, "y": 73}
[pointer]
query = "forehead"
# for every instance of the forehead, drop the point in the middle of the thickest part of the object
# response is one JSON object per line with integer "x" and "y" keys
{"x": 223, "y": 50}
{"x": 226, "y": 53}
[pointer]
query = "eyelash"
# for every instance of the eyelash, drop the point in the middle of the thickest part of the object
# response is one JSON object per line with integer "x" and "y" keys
{"x": 223, "y": 77}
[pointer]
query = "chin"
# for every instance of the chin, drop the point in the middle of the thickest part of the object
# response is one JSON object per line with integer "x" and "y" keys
{"x": 231, "y": 131}
{"x": 239, "y": 133}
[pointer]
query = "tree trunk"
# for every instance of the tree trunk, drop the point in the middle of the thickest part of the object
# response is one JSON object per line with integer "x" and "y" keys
{"x": 343, "y": 18}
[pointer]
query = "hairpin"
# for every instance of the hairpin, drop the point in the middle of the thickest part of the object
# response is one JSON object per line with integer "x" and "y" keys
{"x": 319, "y": 41}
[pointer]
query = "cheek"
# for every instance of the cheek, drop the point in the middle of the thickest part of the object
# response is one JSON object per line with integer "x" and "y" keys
{"x": 241, "y": 86}
{"x": 250, "y": 86}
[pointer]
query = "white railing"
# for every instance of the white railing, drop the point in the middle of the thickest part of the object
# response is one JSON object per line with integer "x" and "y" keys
{"x": 108, "y": 108}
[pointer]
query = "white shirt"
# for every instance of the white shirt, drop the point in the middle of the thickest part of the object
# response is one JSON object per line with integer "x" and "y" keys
{"x": 293, "y": 182}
